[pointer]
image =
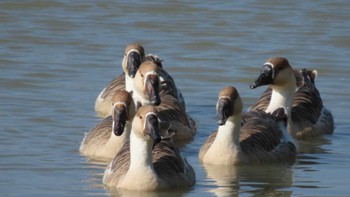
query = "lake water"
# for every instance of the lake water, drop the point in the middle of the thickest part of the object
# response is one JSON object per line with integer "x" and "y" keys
{"x": 56, "y": 56}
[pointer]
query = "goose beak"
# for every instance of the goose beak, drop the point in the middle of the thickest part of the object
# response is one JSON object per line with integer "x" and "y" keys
{"x": 224, "y": 110}
{"x": 152, "y": 88}
{"x": 119, "y": 116}
{"x": 152, "y": 128}
{"x": 133, "y": 63}
{"x": 265, "y": 78}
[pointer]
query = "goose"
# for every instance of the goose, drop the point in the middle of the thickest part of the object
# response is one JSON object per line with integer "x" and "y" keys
{"x": 148, "y": 162}
{"x": 257, "y": 138}
{"x": 303, "y": 77}
{"x": 147, "y": 91}
{"x": 134, "y": 55}
{"x": 307, "y": 117}
{"x": 105, "y": 139}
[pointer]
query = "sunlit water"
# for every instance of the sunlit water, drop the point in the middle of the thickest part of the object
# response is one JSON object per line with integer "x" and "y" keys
{"x": 55, "y": 57}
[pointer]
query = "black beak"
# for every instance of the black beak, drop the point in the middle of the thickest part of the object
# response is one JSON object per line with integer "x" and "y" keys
{"x": 224, "y": 110}
{"x": 152, "y": 88}
{"x": 152, "y": 128}
{"x": 119, "y": 120}
{"x": 133, "y": 63}
{"x": 265, "y": 78}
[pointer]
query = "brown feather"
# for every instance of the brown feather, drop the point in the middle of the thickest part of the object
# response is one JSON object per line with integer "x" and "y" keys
{"x": 172, "y": 111}
{"x": 101, "y": 133}
{"x": 115, "y": 84}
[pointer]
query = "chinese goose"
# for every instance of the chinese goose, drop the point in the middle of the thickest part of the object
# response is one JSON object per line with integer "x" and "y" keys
{"x": 303, "y": 77}
{"x": 107, "y": 137}
{"x": 148, "y": 163}
{"x": 307, "y": 117}
{"x": 258, "y": 138}
{"x": 147, "y": 90}
{"x": 134, "y": 55}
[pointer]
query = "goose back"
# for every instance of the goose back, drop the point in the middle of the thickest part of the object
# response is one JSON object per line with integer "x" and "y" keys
{"x": 97, "y": 144}
{"x": 172, "y": 111}
{"x": 168, "y": 86}
{"x": 171, "y": 168}
{"x": 118, "y": 83}
{"x": 261, "y": 139}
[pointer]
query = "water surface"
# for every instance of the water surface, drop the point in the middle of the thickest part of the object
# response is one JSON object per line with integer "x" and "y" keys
{"x": 55, "y": 57}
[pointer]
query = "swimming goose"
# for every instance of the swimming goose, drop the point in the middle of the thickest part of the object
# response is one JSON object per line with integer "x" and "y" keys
{"x": 307, "y": 117}
{"x": 303, "y": 77}
{"x": 107, "y": 137}
{"x": 148, "y": 163}
{"x": 134, "y": 55}
{"x": 147, "y": 90}
{"x": 262, "y": 137}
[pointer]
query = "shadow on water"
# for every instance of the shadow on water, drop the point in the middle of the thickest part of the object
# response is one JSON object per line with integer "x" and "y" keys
{"x": 269, "y": 179}
{"x": 314, "y": 145}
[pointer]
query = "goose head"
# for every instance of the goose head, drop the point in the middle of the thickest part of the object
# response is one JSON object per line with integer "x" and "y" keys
{"x": 275, "y": 72}
{"x": 145, "y": 124}
{"x": 123, "y": 110}
{"x": 147, "y": 83}
{"x": 309, "y": 75}
{"x": 156, "y": 59}
{"x": 229, "y": 104}
{"x": 134, "y": 55}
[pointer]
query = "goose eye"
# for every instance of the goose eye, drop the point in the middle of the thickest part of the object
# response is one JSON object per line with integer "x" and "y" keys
{"x": 141, "y": 75}
{"x": 140, "y": 117}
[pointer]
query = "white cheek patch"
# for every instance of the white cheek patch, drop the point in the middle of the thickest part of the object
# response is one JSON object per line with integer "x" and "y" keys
{"x": 227, "y": 97}
{"x": 133, "y": 50}
{"x": 119, "y": 103}
{"x": 149, "y": 73}
{"x": 273, "y": 68}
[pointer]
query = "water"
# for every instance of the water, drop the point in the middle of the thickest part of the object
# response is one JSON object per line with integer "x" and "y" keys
{"x": 55, "y": 57}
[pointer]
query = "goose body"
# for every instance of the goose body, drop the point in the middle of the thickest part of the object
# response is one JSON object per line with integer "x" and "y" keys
{"x": 148, "y": 163}
{"x": 251, "y": 138}
{"x": 295, "y": 91}
{"x": 148, "y": 90}
{"x": 105, "y": 139}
